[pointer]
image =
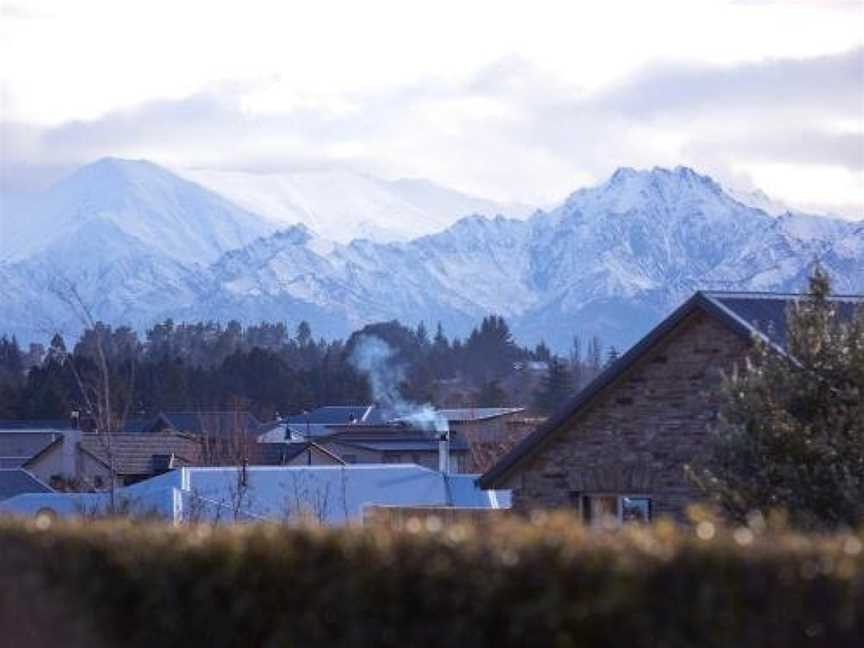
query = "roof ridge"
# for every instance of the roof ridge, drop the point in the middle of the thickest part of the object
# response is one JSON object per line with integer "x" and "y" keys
{"x": 773, "y": 295}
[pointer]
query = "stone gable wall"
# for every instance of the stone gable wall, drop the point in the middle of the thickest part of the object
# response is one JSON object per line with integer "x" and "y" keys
{"x": 637, "y": 437}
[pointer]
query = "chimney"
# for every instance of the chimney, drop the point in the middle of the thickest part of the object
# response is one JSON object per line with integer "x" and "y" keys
{"x": 71, "y": 439}
{"x": 444, "y": 450}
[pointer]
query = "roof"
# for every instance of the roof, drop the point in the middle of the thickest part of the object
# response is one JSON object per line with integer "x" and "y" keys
{"x": 333, "y": 494}
{"x": 134, "y": 453}
{"x": 765, "y": 313}
{"x": 333, "y": 415}
{"x": 16, "y": 481}
{"x": 139, "y": 424}
{"x": 19, "y": 446}
{"x": 392, "y": 437}
{"x": 466, "y": 414}
{"x": 211, "y": 423}
{"x": 746, "y": 314}
{"x": 37, "y": 424}
{"x": 279, "y": 454}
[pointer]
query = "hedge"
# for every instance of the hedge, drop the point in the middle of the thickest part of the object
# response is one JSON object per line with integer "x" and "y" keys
{"x": 546, "y": 582}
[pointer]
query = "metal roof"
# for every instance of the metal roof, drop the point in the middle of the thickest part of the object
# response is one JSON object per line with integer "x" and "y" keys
{"x": 332, "y": 415}
{"x": 467, "y": 414}
{"x": 333, "y": 494}
{"x": 746, "y": 314}
{"x": 42, "y": 425}
{"x": 16, "y": 481}
{"x": 765, "y": 313}
{"x": 211, "y": 423}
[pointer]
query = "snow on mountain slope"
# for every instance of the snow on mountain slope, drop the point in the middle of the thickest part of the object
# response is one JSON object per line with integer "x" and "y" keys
{"x": 611, "y": 261}
{"x": 176, "y": 217}
{"x": 343, "y": 206}
{"x": 119, "y": 278}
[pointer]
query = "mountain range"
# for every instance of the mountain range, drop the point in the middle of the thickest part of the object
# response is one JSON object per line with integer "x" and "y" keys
{"x": 141, "y": 244}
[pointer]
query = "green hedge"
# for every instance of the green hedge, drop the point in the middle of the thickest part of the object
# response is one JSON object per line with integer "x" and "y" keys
{"x": 507, "y": 583}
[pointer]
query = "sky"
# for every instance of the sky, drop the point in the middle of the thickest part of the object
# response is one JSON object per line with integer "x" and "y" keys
{"x": 513, "y": 101}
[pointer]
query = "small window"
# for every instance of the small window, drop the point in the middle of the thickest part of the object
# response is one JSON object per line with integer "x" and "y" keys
{"x": 392, "y": 458}
{"x": 602, "y": 509}
{"x": 635, "y": 509}
{"x": 350, "y": 458}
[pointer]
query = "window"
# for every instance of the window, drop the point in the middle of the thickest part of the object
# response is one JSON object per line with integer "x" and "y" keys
{"x": 392, "y": 457}
{"x": 635, "y": 509}
{"x": 617, "y": 509}
{"x": 350, "y": 458}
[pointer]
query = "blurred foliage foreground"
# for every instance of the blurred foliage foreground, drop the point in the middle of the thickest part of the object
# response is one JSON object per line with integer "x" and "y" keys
{"x": 546, "y": 581}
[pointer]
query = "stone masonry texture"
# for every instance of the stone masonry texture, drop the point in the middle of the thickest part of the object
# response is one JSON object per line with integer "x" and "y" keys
{"x": 637, "y": 436}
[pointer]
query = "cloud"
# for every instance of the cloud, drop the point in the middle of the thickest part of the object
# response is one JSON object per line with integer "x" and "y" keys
{"x": 510, "y": 131}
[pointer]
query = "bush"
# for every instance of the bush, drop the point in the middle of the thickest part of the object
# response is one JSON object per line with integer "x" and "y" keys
{"x": 546, "y": 582}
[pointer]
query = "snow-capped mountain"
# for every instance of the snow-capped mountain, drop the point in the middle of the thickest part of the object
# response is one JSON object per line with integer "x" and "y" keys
{"x": 172, "y": 216}
{"x": 343, "y": 206}
{"x": 612, "y": 260}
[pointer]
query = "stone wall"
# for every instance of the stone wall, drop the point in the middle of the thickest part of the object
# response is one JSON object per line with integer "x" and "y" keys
{"x": 636, "y": 438}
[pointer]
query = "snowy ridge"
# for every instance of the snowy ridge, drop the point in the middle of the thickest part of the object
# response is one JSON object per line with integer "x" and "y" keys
{"x": 611, "y": 261}
{"x": 343, "y": 206}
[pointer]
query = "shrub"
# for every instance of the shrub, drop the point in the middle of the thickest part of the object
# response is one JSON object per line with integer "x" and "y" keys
{"x": 546, "y": 582}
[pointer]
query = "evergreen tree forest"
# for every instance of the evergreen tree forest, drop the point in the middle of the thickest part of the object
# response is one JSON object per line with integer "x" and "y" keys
{"x": 269, "y": 369}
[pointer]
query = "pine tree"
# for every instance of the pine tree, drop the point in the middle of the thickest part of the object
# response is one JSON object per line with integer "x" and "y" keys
{"x": 791, "y": 429}
{"x": 595, "y": 354}
{"x": 492, "y": 395}
{"x": 555, "y": 387}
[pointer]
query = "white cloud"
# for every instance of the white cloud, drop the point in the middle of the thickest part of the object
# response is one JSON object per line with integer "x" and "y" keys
{"x": 514, "y": 101}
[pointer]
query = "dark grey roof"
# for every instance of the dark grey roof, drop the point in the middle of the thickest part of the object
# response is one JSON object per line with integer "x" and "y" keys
{"x": 211, "y": 423}
{"x": 18, "y": 446}
{"x": 139, "y": 424}
{"x": 392, "y": 436}
{"x": 466, "y": 414}
{"x": 747, "y": 314}
{"x": 38, "y": 424}
{"x": 333, "y": 415}
{"x": 279, "y": 454}
{"x": 17, "y": 481}
{"x": 765, "y": 313}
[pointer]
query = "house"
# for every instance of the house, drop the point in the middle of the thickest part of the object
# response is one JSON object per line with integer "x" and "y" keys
{"x": 395, "y": 442}
{"x": 81, "y": 460}
{"x": 331, "y": 495}
{"x": 295, "y": 453}
{"x": 16, "y": 481}
{"x": 366, "y": 434}
{"x": 19, "y": 445}
{"x": 619, "y": 447}
{"x": 204, "y": 423}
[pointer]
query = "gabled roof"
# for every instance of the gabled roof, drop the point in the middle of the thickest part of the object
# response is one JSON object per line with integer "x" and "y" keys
{"x": 746, "y": 314}
{"x": 19, "y": 446}
{"x": 280, "y": 454}
{"x": 765, "y": 313}
{"x": 134, "y": 453}
{"x": 16, "y": 481}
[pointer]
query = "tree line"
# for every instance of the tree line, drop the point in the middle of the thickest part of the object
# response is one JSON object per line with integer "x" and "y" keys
{"x": 270, "y": 369}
